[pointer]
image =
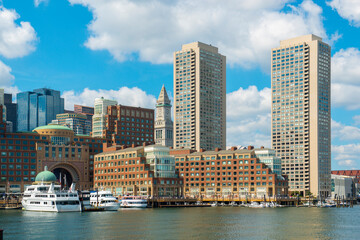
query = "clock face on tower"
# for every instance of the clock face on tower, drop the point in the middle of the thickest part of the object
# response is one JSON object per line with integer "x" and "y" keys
{"x": 167, "y": 111}
{"x": 160, "y": 113}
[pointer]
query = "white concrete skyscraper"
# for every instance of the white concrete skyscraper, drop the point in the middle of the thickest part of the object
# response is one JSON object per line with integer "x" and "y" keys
{"x": 199, "y": 97}
{"x": 301, "y": 112}
{"x": 98, "y": 119}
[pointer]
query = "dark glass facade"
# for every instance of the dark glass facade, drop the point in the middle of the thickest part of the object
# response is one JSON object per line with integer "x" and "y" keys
{"x": 11, "y": 109}
{"x": 38, "y": 108}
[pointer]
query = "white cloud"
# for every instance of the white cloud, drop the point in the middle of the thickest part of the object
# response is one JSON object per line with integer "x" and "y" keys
{"x": 345, "y": 66}
{"x": 244, "y": 31}
{"x": 348, "y": 9}
{"x": 38, "y": 2}
{"x": 344, "y": 132}
{"x": 15, "y": 40}
{"x": 345, "y": 73}
{"x": 6, "y": 78}
{"x": 248, "y": 117}
{"x": 345, "y": 95}
{"x": 346, "y": 156}
{"x": 124, "y": 95}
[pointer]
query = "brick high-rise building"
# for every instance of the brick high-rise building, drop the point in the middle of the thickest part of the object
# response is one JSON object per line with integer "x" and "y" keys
{"x": 88, "y": 111}
{"x": 199, "y": 97}
{"x": 301, "y": 112}
{"x": 127, "y": 125}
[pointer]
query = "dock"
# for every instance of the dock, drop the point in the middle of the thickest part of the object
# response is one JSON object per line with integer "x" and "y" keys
{"x": 10, "y": 204}
{"x": 167, "y": 202}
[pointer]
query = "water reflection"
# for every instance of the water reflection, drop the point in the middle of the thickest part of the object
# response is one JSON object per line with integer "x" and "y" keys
{"x": 185, "y": 223}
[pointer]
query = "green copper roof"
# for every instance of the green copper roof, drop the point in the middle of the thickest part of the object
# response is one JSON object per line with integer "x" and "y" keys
{"x": 45, "y": 176}
{"x": 53, "y": 127}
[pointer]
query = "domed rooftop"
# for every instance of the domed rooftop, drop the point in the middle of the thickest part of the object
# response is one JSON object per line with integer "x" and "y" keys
{"x": 45, "y": 176}
{"x": 52, "y": 127}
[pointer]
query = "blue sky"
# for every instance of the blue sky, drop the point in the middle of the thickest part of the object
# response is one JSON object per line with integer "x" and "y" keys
{"x": 123, "y": 50}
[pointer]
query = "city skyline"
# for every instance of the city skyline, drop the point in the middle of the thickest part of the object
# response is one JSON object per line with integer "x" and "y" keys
{"x": 137, "y": 77}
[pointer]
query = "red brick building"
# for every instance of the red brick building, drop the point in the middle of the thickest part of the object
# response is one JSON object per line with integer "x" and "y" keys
{"x": 88, "y": 111}
{"x": 141, "y": 171}
{"x": 227, "y": 173}
{"x": 23, "y": 155}
{"x": 127, "y": 125}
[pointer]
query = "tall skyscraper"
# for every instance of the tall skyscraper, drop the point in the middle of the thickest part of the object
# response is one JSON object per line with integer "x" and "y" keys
{"x": 163, "y": 123}
{"x": 301, "y": 112}
{"x": 38, "y": 108}
{"x": 199, "y": 97}
{"x": 98, "y": 119}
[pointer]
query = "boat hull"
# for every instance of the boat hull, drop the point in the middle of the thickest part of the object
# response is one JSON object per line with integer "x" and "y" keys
{"x": 109, "y": 207}
{"x": 133, "y": 203}
{"x": 76, "y": 208}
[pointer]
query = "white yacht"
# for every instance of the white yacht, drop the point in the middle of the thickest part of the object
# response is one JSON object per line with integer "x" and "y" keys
{"x": 104, "y": 199}
{"x": 256, "y": 205}
{"x": 45, "y": 195}
{"x": 133, "y": 202}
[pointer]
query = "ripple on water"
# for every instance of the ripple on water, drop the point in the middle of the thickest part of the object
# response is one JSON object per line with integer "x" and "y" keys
{"x": 185, "y": 223}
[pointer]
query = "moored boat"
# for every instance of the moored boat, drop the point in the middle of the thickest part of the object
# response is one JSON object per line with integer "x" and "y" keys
{"x": 45, "y": 195}
{"x": 133, "y": 202}
{"x": 104, "y": 199}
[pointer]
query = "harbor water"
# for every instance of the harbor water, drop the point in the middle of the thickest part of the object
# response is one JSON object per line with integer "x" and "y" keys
{"x": 185, "y": 223}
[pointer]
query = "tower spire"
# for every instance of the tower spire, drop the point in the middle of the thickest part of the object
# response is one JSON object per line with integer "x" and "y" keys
{"x": 163, "y": 97}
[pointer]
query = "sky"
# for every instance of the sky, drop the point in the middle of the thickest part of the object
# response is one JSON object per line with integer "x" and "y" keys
{"x": 123, "y": 50}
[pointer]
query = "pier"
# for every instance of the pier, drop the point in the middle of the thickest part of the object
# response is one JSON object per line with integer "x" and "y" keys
{"x": 162, "y": 202}
{"x": 11, "y": 202}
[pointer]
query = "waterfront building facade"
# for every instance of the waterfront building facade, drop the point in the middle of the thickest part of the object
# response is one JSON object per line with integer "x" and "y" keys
{"x": 163, "y": 123}
{"x": 268, "y": 156}
{"x": 37, "y": 108}
{"x": 301, "y": 113}
{"x": 78, "y": 122}
{"x": 236, "y": 173}
{"x": 98, "y": 119}
{"x": 350, "y": 173}
{"x": 199, "y": 97}
{"x": 343, "y": 187}
{"x": 126, "y": 125}
{"x": 23, "y": 155}
{"x": 137, "y": 170}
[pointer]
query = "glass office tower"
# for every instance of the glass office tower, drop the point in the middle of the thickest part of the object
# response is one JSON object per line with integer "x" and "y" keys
{"x": 38, "y": 108}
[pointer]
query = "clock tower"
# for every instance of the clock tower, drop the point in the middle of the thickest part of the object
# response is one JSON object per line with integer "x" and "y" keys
{"x": 163, "y": 122}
